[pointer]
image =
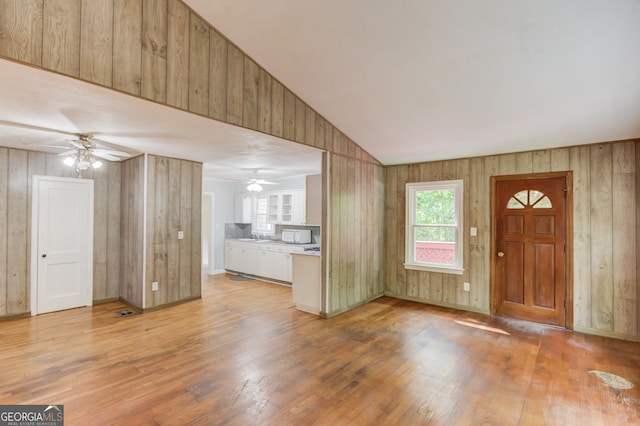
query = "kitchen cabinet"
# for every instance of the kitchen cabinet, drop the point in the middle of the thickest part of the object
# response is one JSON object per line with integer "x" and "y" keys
{"x": 313, "y": 200}
{"x": 248, "y": 260}
{"x": 243, "y": 208}
{"x": 282, "y": 266}
{"x": 269, "y": 261}
{"x": 306, "y": 286}
{"x": 286, "y": 207}
{"x": 265, "y": 263}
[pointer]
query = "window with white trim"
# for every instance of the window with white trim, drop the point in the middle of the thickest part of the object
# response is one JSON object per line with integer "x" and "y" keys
{"x": 261, "y": 222}
{"x": 434, "y": 230}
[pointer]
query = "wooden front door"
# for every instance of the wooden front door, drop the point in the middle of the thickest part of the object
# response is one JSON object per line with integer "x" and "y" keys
{"x": 530, "y": 261}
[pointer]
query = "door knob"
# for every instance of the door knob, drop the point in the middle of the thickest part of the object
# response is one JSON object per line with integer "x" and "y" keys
{"x": 44, "y": 255}
{"x": 500, "y": 254}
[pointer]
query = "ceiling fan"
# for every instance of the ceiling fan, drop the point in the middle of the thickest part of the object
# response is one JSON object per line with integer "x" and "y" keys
{"x": 85, "y": 154}
{"x": 255, "y": 185}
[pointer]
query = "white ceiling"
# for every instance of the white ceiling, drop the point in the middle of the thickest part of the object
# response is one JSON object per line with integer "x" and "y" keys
{"x": 409, "y": 81}
{"x": 40, "y": 109}
{"x": 419, "y": 80}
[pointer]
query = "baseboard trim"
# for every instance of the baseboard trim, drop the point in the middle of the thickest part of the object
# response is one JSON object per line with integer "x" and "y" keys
{"x": 604, "y": 333}
{"x": 109, "y": 300}
{"x": 441, "y": 304}
{"x": 15, "y": 316}
{"x": 168, "y": 305}
{"x": 328, "y": 315}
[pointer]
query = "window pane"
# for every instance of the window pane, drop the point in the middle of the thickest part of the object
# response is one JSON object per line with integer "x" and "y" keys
{"x": 436, "y": 252}
{"x": 522, "y": 196}
{"x": 545, "y": 203}
{"x": 262, "y": 206}
{"x": 514, "y": 204}
{"x": 262, "y": 223}
{"x": 435, "y": 233}
{"x": 534, "y": 196}
{"x": 436, "y": 207}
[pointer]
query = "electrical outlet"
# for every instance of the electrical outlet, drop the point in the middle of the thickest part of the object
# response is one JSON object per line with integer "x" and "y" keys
{"x": 154, "y": 286}
{"x": 467, "y": 286}
{"x": 474, "y": 231}
{"x": 180, "y": 235}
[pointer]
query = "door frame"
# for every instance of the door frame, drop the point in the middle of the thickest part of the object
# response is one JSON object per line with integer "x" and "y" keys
{"x": 568, "y": 285}
{"x": 35, "y": 207}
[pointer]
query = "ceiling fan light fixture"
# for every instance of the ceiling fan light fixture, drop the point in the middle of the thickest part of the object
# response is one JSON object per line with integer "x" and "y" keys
{"x": 254, "y": 187}
{"x": 69, "y": 161}
{"x": 83, "y": 159}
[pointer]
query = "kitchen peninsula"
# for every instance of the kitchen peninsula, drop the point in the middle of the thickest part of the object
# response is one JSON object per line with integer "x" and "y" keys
{"x": 264, "y": 259}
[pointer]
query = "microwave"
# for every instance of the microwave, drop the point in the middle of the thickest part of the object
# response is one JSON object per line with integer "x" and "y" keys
{"x": 297, "y": 236}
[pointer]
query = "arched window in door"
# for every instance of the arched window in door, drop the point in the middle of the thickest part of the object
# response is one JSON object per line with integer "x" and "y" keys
{"x": 529, "y": 198}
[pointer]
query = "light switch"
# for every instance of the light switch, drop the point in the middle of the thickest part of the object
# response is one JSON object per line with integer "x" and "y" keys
{"x": 180, "y": 235}
{"x": 474, "y": 231}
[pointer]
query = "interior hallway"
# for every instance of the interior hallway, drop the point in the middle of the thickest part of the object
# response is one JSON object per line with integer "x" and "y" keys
{"x": 244, "y": 355}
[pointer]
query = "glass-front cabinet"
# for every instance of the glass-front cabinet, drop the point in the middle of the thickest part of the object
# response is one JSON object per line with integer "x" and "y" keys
{"x": 287, "y": 207}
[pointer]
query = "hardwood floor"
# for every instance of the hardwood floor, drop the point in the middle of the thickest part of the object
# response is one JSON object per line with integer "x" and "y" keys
{"x": 243, "y": 355}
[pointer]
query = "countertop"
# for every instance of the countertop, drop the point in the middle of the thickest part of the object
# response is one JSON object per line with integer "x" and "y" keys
{"x": 308, "y": 253}
{"x": 279, "y": 242}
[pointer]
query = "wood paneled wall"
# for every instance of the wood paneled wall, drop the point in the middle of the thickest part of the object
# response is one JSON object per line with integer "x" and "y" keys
{"x": 16, "y": 170}
{"x": 605, "y": 220}
{"x": 162, "y": 51}
{"x": 133, "y": 232}
{"x": 174, "y": 197}
{"x": 170, "y": 203}
{"x": 355, "y": 237}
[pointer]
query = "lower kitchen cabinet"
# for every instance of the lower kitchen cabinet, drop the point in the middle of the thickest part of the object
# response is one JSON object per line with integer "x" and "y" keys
{"x": 269, "y": 261}
{"x": 282, "y": 266}
{"x": 307, "y": 292}
{"x": 265, "y": 263}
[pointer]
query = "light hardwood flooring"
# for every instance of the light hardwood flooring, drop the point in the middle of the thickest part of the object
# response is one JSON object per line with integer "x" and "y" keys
{"x": 243, "y": 355}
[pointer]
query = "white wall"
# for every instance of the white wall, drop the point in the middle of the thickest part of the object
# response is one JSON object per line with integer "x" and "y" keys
{"x": 222, "y": 213}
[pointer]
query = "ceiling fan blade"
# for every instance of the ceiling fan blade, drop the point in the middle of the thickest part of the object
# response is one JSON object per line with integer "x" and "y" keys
{"x": 77, "y": 144}
{"x": 71, "y": 151}
{"x": 106, "y": 156}
{"x": 108, "y": 144}
{"x": 111, "y": 152}
{"x": 34, "y": 127}
{"x": 53, "y": 146}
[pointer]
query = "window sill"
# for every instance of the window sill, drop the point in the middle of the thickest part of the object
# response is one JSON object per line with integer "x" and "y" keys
{"x": 440, "y": 269}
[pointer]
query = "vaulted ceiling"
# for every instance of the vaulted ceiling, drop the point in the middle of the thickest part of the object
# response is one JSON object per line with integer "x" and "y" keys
{"x": 420, "y": 80}
{"x": 409, "y": 81}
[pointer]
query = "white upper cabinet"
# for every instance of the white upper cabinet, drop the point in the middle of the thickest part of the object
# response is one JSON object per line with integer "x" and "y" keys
{"x": 287, "y": 207}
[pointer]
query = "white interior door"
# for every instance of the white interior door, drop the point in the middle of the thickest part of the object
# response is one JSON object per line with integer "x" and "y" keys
{"x": 62, "y": 244}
